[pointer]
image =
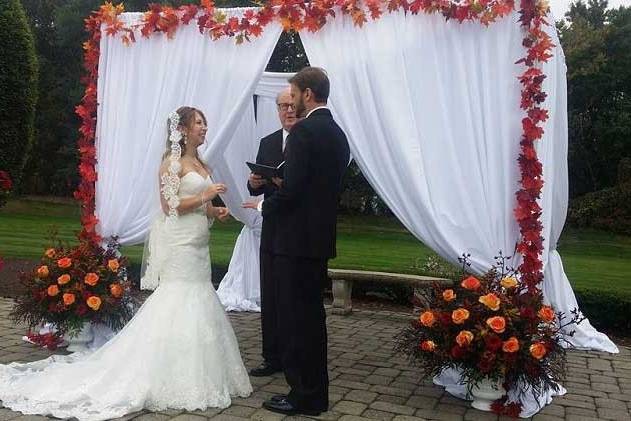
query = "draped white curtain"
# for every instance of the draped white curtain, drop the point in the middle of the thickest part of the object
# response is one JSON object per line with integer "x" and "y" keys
{"x": 239, "y": 290}
{"x": 139, "y": 85}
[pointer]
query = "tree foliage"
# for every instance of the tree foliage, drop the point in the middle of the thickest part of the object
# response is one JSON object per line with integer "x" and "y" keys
{"x": 18, "y": 92}
{"x": 597, "y": 45}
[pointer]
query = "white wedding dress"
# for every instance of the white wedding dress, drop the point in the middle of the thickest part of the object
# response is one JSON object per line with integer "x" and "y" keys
{"x": 178, "y": 351}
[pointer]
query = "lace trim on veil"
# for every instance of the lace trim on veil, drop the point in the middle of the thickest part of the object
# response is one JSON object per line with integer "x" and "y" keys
{"x": 156, "y": 249}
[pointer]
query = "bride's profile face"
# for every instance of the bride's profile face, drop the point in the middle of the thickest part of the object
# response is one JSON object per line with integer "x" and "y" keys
{"x": 196, "y": 132}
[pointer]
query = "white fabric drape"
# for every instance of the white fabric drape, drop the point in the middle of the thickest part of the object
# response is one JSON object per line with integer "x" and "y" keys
{"x": 432, "y": 113}
{"x": 239, "y": 290}
{"x": 139, "y": 85}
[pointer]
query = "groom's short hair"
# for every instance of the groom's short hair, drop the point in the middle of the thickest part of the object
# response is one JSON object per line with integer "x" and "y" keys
{"x": 315, "y": 79}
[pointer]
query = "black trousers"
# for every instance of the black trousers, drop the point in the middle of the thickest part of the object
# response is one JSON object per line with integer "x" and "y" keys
{"x": 269, "y": 307}
{"x": 302, "y": 329}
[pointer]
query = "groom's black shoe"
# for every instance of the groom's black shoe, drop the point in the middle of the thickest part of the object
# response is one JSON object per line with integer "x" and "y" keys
{"x": 281, "y": 405}
{"x": 265, "y": 369}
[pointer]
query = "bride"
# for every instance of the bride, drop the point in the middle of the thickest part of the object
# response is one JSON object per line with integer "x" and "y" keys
{"x": 179, "y": 350}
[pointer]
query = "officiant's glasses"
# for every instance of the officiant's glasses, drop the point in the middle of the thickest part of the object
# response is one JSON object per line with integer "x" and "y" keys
{"x": 286, "y": 106}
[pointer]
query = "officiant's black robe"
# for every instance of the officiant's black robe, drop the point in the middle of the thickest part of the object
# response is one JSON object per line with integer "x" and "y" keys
{"x": 270, "y": 153}
{"x": 316, "y": 158}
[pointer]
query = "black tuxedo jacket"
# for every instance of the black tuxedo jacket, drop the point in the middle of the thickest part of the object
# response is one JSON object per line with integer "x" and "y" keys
{"x": 270, "y": 153}
{"x": 316, "y": 157}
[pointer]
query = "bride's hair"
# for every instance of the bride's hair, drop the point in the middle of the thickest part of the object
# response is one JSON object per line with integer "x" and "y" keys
{"x": 187, "y": 117}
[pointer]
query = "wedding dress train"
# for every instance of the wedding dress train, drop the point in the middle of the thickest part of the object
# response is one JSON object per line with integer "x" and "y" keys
{"x": 179, "y": 350}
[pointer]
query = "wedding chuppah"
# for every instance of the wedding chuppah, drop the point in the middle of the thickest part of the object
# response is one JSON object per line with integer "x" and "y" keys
{"x": 459, "y": 124}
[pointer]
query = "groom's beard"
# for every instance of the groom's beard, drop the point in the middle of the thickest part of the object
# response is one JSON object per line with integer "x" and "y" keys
{"x": 301, "y": 110}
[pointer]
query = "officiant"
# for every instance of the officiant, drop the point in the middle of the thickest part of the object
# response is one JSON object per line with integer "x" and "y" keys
{"x": 270, "y": 153}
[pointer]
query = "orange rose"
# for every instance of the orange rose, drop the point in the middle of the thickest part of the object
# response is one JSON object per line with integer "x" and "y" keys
{"x": 449, "y": 295}
{"x": 63, "y": 279}
{"x": 113, "y": 265}
{"x": 538, "y": 350}
{"x": 509, "y": 282}
{"x": 42, "y": 271}
{"x": 464, "y": 338}
{"x": 497, "y": 323}
{"x": 459, "y": 315}
{"x": 53, "y": 290}
{"x": 68, "y": 299}
{"x": 91, "y": 279}
{"x": 428, "y": 346}
{"x": 546, "y": 313}
{"x": 50, "y": 253}
{"x": 64, "y": 263}
{"x": 116, "y": 290}
{"x": 94, "y": 302}
{"x": 511, "y": 345}
{"x": 471, "y": 283}
{"x": 427, "y": 319}
{"x": 491, "y": 301}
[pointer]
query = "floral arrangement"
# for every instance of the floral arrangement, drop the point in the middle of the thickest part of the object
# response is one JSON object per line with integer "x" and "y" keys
{"x": 71, "y": 286}
{"x": 489, "y": 327}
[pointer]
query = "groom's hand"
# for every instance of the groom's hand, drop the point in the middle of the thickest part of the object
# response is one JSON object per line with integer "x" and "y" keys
{"x": 256, "y": 181}
{"x": 278, "y": 181}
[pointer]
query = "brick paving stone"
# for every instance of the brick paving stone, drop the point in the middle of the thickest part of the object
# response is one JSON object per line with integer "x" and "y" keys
{"x": 265, "y": 415}
{"x": 407, "y": 418}
{"x": 164, "y": 417}
{"x": 432, "y": 414}
{"x": 349, "y": 407}
{"x": 390, "y": 372}
{"x": 392, "y": 407}
{"x": 400, "y": 400}
{"x": 453, "y": 409}
{"x": 353, "y": 418}
{"x": 386, "y": 390}
{"x": 614, "y": 414}
{"x": 350, "y": 385}
{"x": 422, "y": 402}
{"x": 239, "y": 411}
{"x": 360, "y": 396}
{"x": 475, "y": 415}
{"x": 375, "y": 414}
{"x": 540, "y": 417}
{"x": 606, "y": 387}
{"x": 610, "y": 403}
{"x": 380, "y": 380}
{"x": 570, "y": 411}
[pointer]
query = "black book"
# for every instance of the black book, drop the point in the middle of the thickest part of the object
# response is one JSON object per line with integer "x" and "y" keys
{"x": 266, "y": 171}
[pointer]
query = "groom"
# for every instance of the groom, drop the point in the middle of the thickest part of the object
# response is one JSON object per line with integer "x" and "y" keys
{"x": 317, "y": 155}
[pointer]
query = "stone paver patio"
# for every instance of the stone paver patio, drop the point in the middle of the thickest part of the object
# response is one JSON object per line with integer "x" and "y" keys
{"x": 369, "y": 382}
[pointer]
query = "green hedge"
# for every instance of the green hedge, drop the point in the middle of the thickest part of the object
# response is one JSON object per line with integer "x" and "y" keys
{"x": 608, "y": 209}
{"x": 18, "y": 88}
{"x": 606, "y": 310}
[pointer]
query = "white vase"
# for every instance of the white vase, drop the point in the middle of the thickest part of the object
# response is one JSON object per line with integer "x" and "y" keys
{"x": 78, "y": 342}
{"x": 486, "y": 392}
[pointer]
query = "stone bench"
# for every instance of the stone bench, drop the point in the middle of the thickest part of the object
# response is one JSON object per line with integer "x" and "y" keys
{"x": 342, "y": 284}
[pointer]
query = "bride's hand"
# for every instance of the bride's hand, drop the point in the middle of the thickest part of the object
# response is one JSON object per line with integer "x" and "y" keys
{"x": 221, "y": 213}
{"x": 213, "y": 190}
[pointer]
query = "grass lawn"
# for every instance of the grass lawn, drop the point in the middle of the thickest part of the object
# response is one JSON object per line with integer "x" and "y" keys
{"x": 592, "y": 259}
